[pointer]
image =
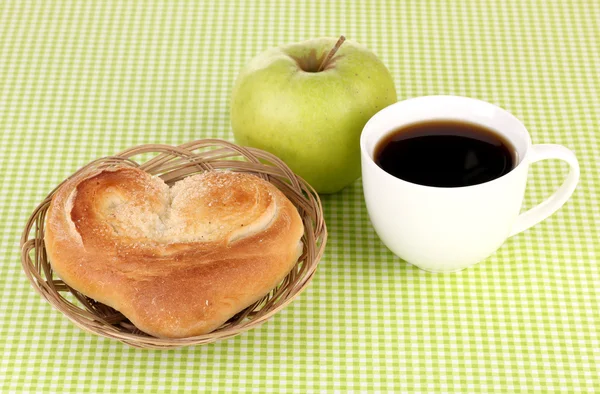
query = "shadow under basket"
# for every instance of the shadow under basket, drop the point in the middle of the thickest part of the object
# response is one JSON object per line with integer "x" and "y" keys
{"x": 173, "y": 163}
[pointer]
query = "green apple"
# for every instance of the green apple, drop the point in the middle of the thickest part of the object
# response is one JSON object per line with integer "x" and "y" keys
{"x": 307, "y": 103}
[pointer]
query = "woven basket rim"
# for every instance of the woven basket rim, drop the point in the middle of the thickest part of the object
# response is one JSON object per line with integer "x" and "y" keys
{"x": 173, "y": 163}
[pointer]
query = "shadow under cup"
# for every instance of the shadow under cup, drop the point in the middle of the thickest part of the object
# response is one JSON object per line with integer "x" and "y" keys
{"x": 445, "y": 229}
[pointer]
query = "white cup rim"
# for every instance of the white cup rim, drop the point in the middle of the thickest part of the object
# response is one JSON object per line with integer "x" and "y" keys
{"x": 368, "y": 130}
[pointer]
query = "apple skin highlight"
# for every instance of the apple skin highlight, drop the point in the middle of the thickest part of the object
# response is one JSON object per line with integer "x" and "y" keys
{"x": 311, "y": 119}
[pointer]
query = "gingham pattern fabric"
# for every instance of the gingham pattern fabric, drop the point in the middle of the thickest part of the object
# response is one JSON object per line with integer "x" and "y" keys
{"x": 84, "y": 79}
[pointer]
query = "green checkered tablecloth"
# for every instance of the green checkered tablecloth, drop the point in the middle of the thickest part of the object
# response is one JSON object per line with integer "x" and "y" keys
{"x": 85, "y": 79}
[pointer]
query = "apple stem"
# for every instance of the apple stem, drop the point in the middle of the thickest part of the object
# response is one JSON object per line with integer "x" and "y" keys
{"x": 331, "y": 53}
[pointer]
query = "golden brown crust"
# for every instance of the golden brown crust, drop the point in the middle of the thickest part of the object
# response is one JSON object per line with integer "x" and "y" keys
{"x": 180, "y": 261}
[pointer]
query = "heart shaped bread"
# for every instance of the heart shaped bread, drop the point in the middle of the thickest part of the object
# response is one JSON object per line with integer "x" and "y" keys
{"x": 178, "y": 261}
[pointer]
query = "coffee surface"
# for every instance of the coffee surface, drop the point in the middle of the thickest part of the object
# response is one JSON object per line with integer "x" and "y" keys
{"x": 445, "y": 153}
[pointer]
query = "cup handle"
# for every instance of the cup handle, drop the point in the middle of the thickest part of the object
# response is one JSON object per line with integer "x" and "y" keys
{"x": 550, "y": 205}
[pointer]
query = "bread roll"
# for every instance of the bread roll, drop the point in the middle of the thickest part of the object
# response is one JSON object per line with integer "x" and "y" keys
{"x": 179, "y": 261}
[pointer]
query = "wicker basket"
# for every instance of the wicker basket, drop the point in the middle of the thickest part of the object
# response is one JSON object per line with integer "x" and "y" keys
{"x": 172, "y": 164}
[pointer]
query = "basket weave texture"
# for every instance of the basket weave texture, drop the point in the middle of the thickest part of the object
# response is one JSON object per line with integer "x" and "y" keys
{"x": 173, "y": 163}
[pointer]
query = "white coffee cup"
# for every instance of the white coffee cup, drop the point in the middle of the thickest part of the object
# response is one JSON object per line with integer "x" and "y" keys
{"x": 441, "y": 229}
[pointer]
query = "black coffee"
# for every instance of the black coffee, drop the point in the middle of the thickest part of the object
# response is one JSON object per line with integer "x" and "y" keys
{"x": 445, "y": 153}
